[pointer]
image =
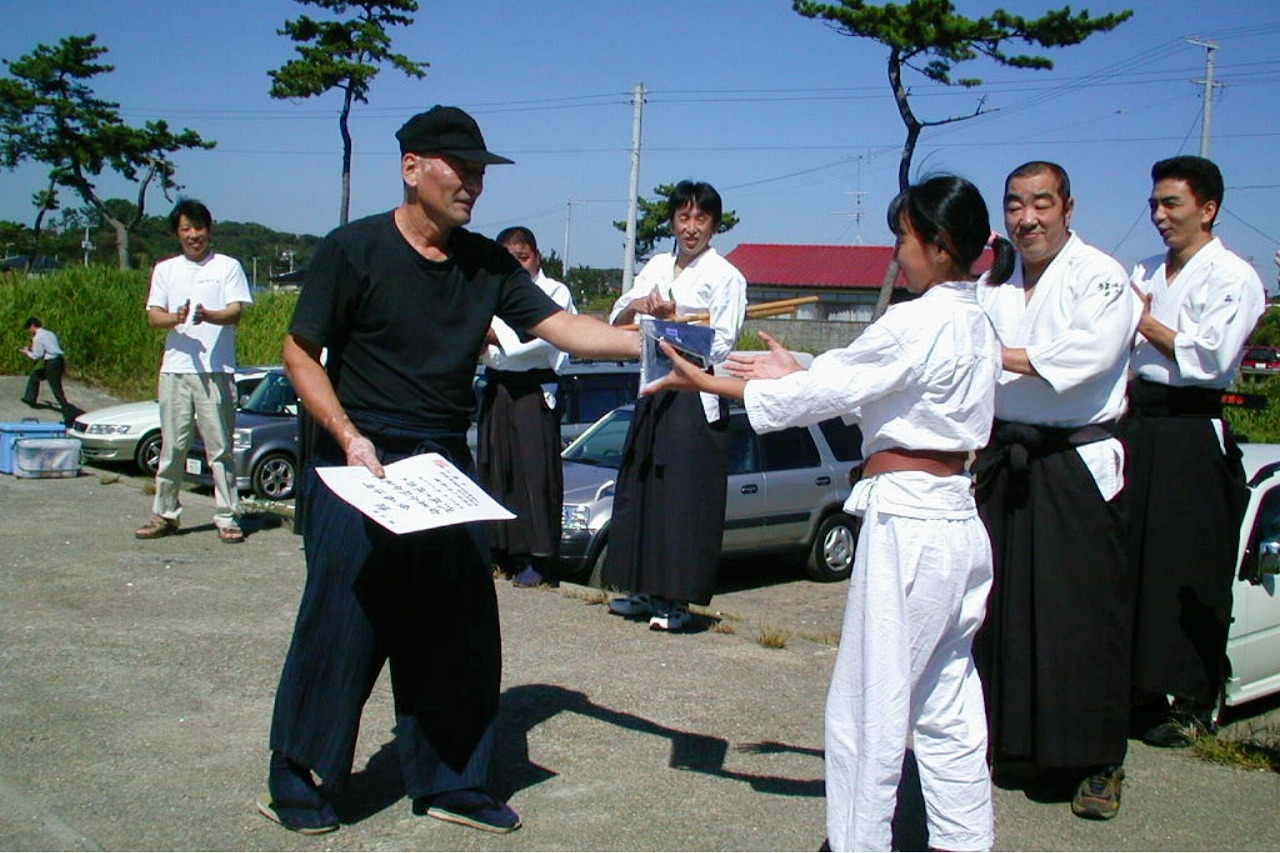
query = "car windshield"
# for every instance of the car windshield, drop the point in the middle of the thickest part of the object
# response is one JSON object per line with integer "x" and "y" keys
{"x": 1261, "y": 354}
{"x": 273, "y": 396}
{"x": 602, "y": 443}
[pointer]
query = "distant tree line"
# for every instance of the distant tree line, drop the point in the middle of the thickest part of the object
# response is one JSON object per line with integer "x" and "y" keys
{"x": 151, "y": 240}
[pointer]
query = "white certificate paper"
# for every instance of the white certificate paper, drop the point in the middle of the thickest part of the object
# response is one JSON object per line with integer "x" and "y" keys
{"x": 418, "y": 493}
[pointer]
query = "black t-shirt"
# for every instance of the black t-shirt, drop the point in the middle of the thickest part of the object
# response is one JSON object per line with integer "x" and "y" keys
{"x": 404, "y": 332}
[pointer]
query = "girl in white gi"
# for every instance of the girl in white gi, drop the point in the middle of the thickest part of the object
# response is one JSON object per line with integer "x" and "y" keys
{"x": 921, "y": 382}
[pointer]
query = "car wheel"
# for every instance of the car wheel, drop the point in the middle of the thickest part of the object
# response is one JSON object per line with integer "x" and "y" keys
{"x": 147, "y": 454}
{"x": 274, "y": 477}
{"x": 596, "y": 566}
{"x": 831, "y": 556}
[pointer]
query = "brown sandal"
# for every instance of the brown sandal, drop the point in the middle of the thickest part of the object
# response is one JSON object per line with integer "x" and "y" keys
{"x": 231, "y": 535}
{"x": 155, "y": 528}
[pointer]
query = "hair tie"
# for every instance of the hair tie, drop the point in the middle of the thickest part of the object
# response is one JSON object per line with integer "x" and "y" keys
{"x": 995, "y": 235}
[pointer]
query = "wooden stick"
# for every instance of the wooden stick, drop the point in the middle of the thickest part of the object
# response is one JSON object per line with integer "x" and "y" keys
{"x": 780, "y": 303}
{"x": 759, "y": 309}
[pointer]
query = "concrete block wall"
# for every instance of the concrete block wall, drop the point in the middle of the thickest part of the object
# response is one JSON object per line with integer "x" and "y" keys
{"x": 814, "y": 336}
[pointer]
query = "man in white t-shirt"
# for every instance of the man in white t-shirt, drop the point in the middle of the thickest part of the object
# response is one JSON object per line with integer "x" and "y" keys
{"x": 199, "y": 296}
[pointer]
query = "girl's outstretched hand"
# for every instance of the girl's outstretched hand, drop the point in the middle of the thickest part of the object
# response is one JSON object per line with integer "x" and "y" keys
{"x": 772, "y": 364}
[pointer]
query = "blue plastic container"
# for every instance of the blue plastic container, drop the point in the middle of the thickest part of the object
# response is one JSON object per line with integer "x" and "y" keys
{"x": 14, "y": 430}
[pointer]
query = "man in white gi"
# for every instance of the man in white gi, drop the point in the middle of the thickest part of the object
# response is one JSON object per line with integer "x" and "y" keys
{"x": 1054, "y": 648}
{"x": 518, "y": 457}
{"x": 668, "y": 515}
{"x": 199, "y": 297}
{"x": 1198, "y": 303}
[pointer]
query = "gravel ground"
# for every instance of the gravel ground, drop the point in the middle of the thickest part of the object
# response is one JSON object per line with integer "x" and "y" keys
{"x": 136, "y": 681}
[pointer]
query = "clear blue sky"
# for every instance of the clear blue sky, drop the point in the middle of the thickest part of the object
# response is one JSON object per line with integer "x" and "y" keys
{"x": 790, "y": 120}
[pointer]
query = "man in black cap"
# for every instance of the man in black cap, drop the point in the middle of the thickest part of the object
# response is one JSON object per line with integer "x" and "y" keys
{"x": 402, "y": 302}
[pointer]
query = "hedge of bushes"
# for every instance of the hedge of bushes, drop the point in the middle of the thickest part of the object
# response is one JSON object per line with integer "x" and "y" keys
{"x": 99, "y": 315}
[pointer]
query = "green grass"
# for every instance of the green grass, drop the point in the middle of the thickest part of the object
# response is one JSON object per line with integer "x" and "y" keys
{"x": 1256, "y": 748}
{"x": 1262, "y": 426}
{"x": 99, "y": 315}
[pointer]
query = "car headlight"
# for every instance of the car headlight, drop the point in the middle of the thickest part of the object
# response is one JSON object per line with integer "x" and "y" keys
{"x": 575, "y": 518}
{"x": 242, "y": 439}
{"x": 108, "y": 429}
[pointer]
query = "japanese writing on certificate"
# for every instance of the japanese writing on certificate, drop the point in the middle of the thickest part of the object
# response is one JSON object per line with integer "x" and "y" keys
{"x": 418, "y": 493}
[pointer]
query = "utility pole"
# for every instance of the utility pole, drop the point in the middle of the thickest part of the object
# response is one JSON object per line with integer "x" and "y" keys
{"x": 1206, "y": 109}
{"x": 87, "y": 245}
{"x": 568, "y": 219}
{"x": 629, "y": 254}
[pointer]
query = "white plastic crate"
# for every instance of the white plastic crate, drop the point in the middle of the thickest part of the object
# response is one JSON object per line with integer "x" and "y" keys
{"x": 46, "y": 457}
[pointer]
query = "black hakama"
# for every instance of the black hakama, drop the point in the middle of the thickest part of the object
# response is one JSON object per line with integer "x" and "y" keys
{"x": 668, "y": 509}
{"x": 519, "y": 464}
{"x": 425, "y": 602}
{"x": 1188, "y": 498}
{"x": 1054, "y": 650}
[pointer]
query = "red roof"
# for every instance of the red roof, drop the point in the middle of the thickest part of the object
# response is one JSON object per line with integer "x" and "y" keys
{"x": 813, "y": 266}
{"x": 790, "y": 265}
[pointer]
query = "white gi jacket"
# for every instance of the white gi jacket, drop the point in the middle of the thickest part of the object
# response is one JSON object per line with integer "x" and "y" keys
{"x": 709, "y": 283}
{"x": 513, "y": 354}
{"x": 1212, "y": 305}
{"x": 1076, "y": 330}
{"x": 919, "y": 378}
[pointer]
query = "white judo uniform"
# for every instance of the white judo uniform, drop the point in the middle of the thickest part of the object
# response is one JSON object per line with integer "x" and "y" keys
{"x": 1076, "y": 329}
{"x": 1054, "y": 671}
{"x": 920, "y": 378}
{"x": 1212, "y": 305}
{"x": 1184, "y": 464}
{"x": 709, "y": 283}
{"x": 511, "y": 353}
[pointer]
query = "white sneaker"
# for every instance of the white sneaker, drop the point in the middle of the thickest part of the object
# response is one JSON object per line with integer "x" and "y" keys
{"x": 632, "y": 605}
{"x": 670, "y": 616}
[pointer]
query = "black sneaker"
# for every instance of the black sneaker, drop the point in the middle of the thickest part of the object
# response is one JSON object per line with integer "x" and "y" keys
{"x": 1098, "y": 797}
{"x": 1180, "y": 728}
{"x": 528, "y": 577}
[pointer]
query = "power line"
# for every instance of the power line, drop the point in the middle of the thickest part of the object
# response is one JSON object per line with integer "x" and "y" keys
{"x": 1108, "y": 77}
{"x": 1257, "y": 231}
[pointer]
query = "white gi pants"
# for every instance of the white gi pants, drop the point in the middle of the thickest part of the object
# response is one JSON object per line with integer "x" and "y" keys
{"x": 904, "y": 675}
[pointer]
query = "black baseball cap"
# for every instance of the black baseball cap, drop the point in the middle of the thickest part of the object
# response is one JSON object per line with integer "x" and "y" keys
{"x": 446, "y": 130}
